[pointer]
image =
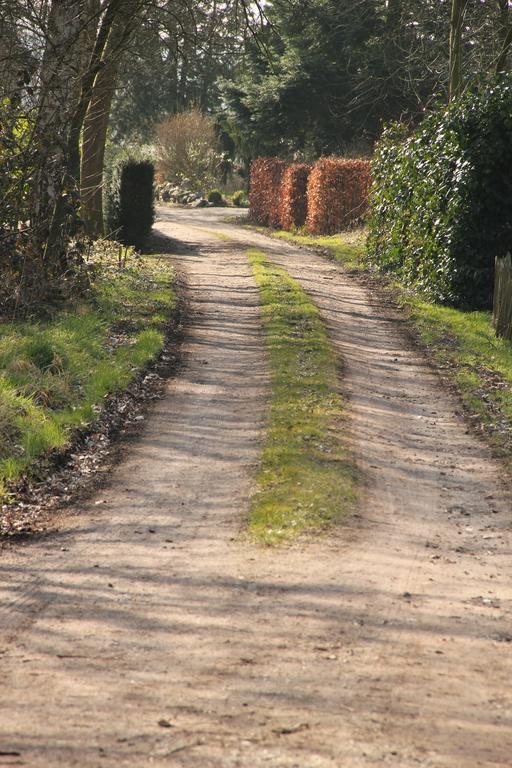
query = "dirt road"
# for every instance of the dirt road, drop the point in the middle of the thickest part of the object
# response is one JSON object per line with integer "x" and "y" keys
{"x": 148, "y": 632}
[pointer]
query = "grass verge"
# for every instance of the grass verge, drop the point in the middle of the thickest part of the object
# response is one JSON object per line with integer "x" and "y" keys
{"x": 462, "y": 344}
{"x": 306, "y": 480}
{"x": 56, "y": 372}
{"x": 348, "y": 248}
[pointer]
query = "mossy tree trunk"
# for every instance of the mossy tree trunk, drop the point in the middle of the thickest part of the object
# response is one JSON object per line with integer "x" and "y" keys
{"x": 455, "y": 67}
{"x": 97, "y": 118}
{"x": 505, "y": 34}
{"x": 58, "y": 90}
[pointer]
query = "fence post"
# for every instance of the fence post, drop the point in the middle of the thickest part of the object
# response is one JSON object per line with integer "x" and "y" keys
{"x": 502, "y": 305}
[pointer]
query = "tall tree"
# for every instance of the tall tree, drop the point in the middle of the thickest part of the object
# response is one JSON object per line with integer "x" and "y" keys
{"x": 456, "y": 25}
{"x": 66, "y": 95}
{"x": 95, "y": 122}
{"x": 70, "y": 41}
{"x": 504, "y": 36}
{"x": 58, "y": 92}
{"x": 175, "y": 62}
{"x": 297, "y": 88}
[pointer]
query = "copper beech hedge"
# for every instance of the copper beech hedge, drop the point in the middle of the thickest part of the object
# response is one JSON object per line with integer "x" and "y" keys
{"x": 293, "y": 194}
{"x": 326, "y": 198}
{"x": 337, "y": 194}
{"x": 265, "y": 190}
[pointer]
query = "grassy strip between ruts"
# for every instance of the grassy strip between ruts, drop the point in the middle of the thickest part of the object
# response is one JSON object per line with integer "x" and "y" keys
{"x": 306, "y": 480}
{"x": 463, "y": 344}
{"x": 55, "y": 372}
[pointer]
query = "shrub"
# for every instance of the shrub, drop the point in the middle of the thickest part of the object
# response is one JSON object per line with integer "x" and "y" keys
{"x": 239, "y": 199}
{"x": 215, "y": 197}
{"x": 130, "y": 208}
{"x": 188, "y": 151}
{"x": 265, "y": 190}
{"x": 441, "y": 202}
{"x": 337, "y": 194}
{"x": 22, "y": 270}
{"x": 294, "y": 201}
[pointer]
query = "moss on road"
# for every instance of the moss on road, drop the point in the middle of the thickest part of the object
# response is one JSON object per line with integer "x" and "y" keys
{"x": 306, "y": 480}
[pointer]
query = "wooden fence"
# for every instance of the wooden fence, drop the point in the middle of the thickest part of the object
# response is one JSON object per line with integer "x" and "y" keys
{"x": 502, "y": 309}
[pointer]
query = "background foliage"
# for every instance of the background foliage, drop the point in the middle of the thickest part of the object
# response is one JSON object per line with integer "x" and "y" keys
{"x": 321, "y": 77}
{"x": 188, "y": 150}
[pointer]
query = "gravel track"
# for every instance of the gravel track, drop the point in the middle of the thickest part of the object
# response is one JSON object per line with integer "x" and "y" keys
{"x": 148, "y": 631}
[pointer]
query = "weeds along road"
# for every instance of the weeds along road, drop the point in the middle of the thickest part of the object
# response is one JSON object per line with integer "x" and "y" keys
{"x": 149, "y": 632}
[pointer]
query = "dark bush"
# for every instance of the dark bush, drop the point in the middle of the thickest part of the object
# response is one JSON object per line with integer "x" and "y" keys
{"x": 215, "y": 197}
{"x": 239, "y": 199}
{"x": 130, "y": 210}
{"x": 441, "y": 201}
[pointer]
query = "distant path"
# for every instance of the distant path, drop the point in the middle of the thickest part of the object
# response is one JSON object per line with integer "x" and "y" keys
{"x": 386, "y": 643}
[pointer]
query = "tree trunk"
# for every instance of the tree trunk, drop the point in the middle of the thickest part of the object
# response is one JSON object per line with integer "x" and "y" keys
{"x": 95, "y": 125}
{"x": 58, "y": 89}
{"x": 93, "y": 149}
{"x": 456, "y": 22}
{"x": 65, "y": 214}
{"x": 114, "y": 10}
{"x": 505, "y": 35}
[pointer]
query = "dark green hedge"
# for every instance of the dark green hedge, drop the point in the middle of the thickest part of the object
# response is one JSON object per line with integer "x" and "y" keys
{"x": 130, "y": 208}
{"x": 441, "y": 202}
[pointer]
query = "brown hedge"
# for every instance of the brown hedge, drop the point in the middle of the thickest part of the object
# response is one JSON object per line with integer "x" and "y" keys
{"x": 294, "y": 200}
{"x": 337, "y": 194}
{"x": 264, "y": 190}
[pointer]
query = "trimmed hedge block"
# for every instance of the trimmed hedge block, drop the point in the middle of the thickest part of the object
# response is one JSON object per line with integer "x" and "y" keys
{"x": 265, "y": 190}
{"x": 337, "y": 195}
{"x": 130, "y": 206}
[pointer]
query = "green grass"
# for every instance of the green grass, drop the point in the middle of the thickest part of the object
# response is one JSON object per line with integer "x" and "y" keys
{"x": 464, "y": 344}
{"x": 55, "y": 373}
{"x": 306, "y": 481}
{"x": 348, "y": 248}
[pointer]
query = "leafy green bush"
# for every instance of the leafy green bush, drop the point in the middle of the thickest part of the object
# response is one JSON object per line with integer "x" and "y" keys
{"x": 441, "y": 201}
{"x": 239, "y": 199}
{"x": 130, "y": 209}
{"x": 215, "y": 197}
{"x": 21, "y": 267}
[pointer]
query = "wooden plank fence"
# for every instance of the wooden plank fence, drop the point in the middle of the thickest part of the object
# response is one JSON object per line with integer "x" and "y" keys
{"x": 502, "y": 309}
